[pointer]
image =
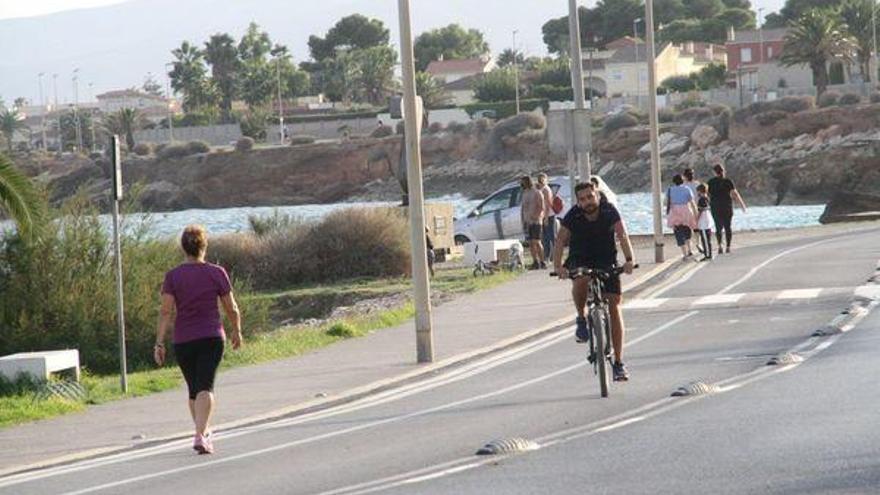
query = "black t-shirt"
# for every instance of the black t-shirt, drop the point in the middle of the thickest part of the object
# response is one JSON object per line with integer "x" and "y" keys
{"x": 592, "y": 243}
{"x": 719, "y": 193}
{"x": 702, "y": 203}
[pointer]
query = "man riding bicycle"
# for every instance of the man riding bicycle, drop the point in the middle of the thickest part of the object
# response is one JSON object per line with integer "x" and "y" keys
{"x": 589, "y": 230}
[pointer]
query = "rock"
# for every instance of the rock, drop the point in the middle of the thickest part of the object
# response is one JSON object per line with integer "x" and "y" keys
{"x": 848, "y": 206}
{"x": 829, "y": 132}
{"x": 607, "y": 168}
{"x": 669, "y": 143}
{"x": 704, "y": 136}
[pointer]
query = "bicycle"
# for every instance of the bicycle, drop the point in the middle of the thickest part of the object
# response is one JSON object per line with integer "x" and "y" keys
{"x": 598, "y": 321}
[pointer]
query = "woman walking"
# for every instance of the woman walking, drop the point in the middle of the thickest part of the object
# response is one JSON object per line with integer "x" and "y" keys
{"x": 681, "y": 214}
{"x": 191, "y": 290}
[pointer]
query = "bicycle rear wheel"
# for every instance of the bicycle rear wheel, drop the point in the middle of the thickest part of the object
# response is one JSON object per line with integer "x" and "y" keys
{"x": 597, "y": 325}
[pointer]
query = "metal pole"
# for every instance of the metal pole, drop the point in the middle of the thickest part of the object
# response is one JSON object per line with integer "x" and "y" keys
{"x": 577, "y": 79}
{"x": 44, "y": 110}
{"x": 92, "y": 119}
{"x": 280, "y": 105}
{"x": 79, "y": 142}
{"x": 516, "y": 72}
{"x": 170, "y": 104}
{"x": 652, "y": 116}
{"x": 117, "y": 247}
{"x": 58, "y": 121}
{"x": 421, "y": 286}
{"x": 638, "y": 72}
{"x": 874, "y": 38}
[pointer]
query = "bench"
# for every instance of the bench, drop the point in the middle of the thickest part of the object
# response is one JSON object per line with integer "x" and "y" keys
{"x": 39, "y": 365}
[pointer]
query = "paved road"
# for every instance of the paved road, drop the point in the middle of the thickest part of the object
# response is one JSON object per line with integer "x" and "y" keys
{"x": 805, "y": 428}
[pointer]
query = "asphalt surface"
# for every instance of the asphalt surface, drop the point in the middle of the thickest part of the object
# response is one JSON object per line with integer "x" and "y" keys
{"x": 800, "y": 429}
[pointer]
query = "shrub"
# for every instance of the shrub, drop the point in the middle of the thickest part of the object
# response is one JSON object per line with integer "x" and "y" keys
{"x": 435, "y": 127}
{"x": 60, "y": 290}
{"x": 142, "y": 149}
{"x": 694, "y": 114}
{"x": 679, "y": 84}
{"x": 510, "y": 127}
{"x": 771, "y": 117}
{"x": 342, "y": 329}
{"x": 382, "y": 131}
{"x": 198, "y": 147}
{"x": 173, "y": 151}
{"x": 665, "y": 115}
{"x": 794, "y": 104}
{"x": 456, "y": 127}
{"x": 719, "y": 108}
{"x": 301, "y": 140}
{"x": 828, "y": 98}
{"x": 504, "y": 109}
{"x": 875, "y": 97}
{"x": 350, "y": 243}
{"x": 244, "y": 144}
{"x": 849, "y": 99}
{"x": 619, "y": 121}
{"x": 262, "y": 225}
{"x": 690, "y": 102}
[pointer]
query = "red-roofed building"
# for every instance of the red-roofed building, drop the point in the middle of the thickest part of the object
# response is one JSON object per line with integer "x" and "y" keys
{"x": 453, "y": 70}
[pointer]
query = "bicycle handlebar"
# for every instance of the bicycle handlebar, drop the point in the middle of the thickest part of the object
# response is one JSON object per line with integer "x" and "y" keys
{"x": 582, "y": 271}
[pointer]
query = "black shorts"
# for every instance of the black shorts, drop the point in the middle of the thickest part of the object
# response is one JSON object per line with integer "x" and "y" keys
{"x": 199, "y": 359}
{"x": 534, "y": 231}
{"x": 682, "y": 234}
{"x": 609, "y": 286}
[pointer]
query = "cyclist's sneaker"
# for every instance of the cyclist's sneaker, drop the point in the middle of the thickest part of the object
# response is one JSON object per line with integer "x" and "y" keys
{"x": 581, "y": 333}
{"x": 620, "y": 372}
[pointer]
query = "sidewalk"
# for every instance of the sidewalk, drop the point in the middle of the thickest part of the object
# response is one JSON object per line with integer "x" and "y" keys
{"x": 466, "y": 326}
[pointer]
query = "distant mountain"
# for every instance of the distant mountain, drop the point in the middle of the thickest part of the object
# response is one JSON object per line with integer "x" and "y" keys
{"x": 116, "y": 46}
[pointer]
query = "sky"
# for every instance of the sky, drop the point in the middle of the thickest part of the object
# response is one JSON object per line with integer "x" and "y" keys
{"x": 46, "y": 36}
{"x": 19, "y": 8}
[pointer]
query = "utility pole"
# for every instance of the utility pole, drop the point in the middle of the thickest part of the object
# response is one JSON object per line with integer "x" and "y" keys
{"x": 92, "y": 119}
{"x": 44, "y": 110}
{"x": 652, "y": 116}
{"x": 280, "y": 104}
{"x": 79, "y": 141}
{"x": 516, "y": 71}
{"x": 170, "y": 103}
{"x": 584, "y": 167}
{"x": 636, "y": 22}
{"x": 412, "y": 122}
{"x": 874, "y": 39}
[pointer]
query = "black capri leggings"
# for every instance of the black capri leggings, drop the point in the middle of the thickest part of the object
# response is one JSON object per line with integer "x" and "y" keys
{"x": 199, "y": 360}
{"x": 723, "y": 218}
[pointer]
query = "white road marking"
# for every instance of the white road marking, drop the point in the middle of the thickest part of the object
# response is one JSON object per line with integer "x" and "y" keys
{"x": 759, "y": 267}
{"x": 868, "y": 291}
{"x": 718, "y": 299}
{"x": 799, "y": 294}
{"x": 651, "y": 303}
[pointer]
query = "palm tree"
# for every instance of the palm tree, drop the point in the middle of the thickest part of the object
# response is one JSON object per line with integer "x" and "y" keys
{"x": 815, "y": 39}
{"x": 857, "y": 14}
{"x": 124, "y": 123}
{"x": 10, "y": 122}
{"x": 20, "y": 200}
{"x": 189, "y": 76}
{"x": 432, "y": 92}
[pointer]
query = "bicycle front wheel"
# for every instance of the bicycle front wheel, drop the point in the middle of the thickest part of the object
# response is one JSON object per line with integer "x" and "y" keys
{"x": 597, "y": 325}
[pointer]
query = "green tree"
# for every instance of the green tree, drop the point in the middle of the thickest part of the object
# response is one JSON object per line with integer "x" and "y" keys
{"x": 814, "y": 40}
{"x": 11, "y": 122}
{"x": 431, "y": 90}
{"x": 352, "y": 32}
{"x": 857, "y": 15}
{"x": 497, "y": 85}
{"x": 616, "y": 18}
{"x": 339, "y": 75}
{"x": 794, "y": 9}
{"x": 451, "y": 42}
{"x": 68, "y": 123}
{"x": 711, "y": 76}
{"x": 682, "y": 30}
{"x": 679, "y": 84}
{"x": 294, "y": 81}
{"x": 774, "y": 20}
{"x": 738, "y": 18}
{"x": 375, "y": 73}
{"x": 151, "y": 87}
{"x": 258, "y": 80}
{"x": 508, "y": 56}
{"x": 123, "y": 123}
{"x": 703, "y": 9}
{"x": 222, "y": 55}
{"x": 189, "y": 77}
{"x": 666, "y": 11}
{"x": 738, "y": 4}
{"x": 21, "y": 200}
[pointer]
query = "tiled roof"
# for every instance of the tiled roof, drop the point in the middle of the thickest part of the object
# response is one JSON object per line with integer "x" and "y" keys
{"x": 441, "y": 67}
{"x": 754, "y": 36}
{"x": 127, "y": 93}
{"x": 463, "y": 84}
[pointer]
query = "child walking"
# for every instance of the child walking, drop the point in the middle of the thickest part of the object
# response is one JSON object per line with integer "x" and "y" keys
{"x": 704, "y": 226}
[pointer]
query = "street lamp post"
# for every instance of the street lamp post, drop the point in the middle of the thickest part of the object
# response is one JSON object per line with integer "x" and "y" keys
{"x": 43, "y": 110}
{"x": 79, "y": 142}
{"x": 515, "y": 72}
{"x": 652, "y": 117}
{"x": 92, "y": 119}
{"x": 636, "y": 22}
{"x": 412, "y": 121}
{"x": 280, "y": 103}
{"x": 58, "y": 117}
{"x": 760, "y": 47}
{"x": 874, "y": 38}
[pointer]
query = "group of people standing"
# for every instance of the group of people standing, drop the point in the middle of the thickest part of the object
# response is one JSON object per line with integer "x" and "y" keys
{"x": 538, "y": 214}
{"x": 693, "y": 207}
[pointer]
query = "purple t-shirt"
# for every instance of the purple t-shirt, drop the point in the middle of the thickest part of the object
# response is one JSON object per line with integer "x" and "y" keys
{"x": 196, "y": 287}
